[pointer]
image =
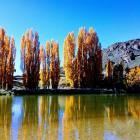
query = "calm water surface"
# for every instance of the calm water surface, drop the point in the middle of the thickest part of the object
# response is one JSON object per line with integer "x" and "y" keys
{"x": 70, "y": 118}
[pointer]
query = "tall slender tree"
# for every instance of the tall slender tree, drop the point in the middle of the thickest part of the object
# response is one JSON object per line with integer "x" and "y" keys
{"x": 81, "y": 57}
{"x": 48, "y": 63}
{"x": 7, "y": 60}
{"x": 69, "y": 54}
{"x": 43, "y": 67}
{"x": 109, "y": 69}
{"x": 30, "y": 62}
{"x": 54, "y": 65}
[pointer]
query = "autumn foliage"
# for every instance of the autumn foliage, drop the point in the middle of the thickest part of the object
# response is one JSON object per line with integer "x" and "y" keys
{"x": 30, "y": 62}
{"x": 133, "y": 76}
{"x": 69, "y": 55}
{"x": 50, "y": 65}
{"x": 43, "y": 69}
{"x": 54, "y": 65}
{"x": 83, "y": 69}
{"x": 109, "y": 69}
{"x": 82, "y": 62}
{"x": 7, "y": 60}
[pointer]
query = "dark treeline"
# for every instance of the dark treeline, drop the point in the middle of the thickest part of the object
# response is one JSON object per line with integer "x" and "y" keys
{"x": 82, "y": 63}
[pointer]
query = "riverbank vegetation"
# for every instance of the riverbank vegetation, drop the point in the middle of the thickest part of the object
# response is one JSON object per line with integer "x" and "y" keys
{"x": 82, "y": 63}
{"x": 7, "y": 60}
{"x": 84, "y": 68}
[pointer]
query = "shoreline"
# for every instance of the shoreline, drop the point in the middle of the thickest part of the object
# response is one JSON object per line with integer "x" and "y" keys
{"x": 23, "y": 92}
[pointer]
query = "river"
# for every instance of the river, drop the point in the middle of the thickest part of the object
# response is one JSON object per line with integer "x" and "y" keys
{"x": 79, "y": 117}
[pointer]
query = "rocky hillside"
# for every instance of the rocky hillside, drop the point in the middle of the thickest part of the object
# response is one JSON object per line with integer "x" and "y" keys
{"x": 128, "y": 52}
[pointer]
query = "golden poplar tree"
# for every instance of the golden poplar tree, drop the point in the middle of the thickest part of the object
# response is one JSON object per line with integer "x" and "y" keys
{"x": 99, "y": 63}
{"x": 109, "y": 69}
{"x": 48, "y": 64}
{"x": 69, "y": 54}
{"x": 85, "y": 69}
{"x": 7, "y": 59}
{"x": 43, "y": 67}
{"x": 81, "y": 57}
{"x": 30, "y": 62}
{"x": 94, "y": 59}
{"x": 11, "y": 63}
{"x": 89, "y": 58}
{"x": 54, "y": 65}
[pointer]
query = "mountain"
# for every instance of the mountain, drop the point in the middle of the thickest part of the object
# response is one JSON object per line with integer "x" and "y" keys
{"x": 127, "y": 52}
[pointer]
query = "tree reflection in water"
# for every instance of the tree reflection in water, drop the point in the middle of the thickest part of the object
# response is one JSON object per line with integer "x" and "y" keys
{"x": 29, "y": 127}
{"x": 71, "y": 117}
{"x": 5, "y": 117}
{"x": 82, "y": 120}
{"x": 134, "y": 107}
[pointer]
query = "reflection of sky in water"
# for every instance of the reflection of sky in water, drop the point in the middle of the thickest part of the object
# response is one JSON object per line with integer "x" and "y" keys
{"x": 110, "y": 136}
{"x": 61, "y": 112}
{"x": 17, "y": 115}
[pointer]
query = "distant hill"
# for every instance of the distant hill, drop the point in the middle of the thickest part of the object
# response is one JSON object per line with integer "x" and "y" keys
{"x": 128, "y": 52}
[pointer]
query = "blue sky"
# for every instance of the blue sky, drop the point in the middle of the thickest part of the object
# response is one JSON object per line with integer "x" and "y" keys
{"x": 113, "y": 20}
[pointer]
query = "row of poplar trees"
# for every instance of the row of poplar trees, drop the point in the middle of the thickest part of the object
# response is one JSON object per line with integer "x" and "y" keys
{"x": 7, "y": 60}
{"x": 37, "y": 63}
{"x": 83, "y": 64}
{"x": 41, "y": 65}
